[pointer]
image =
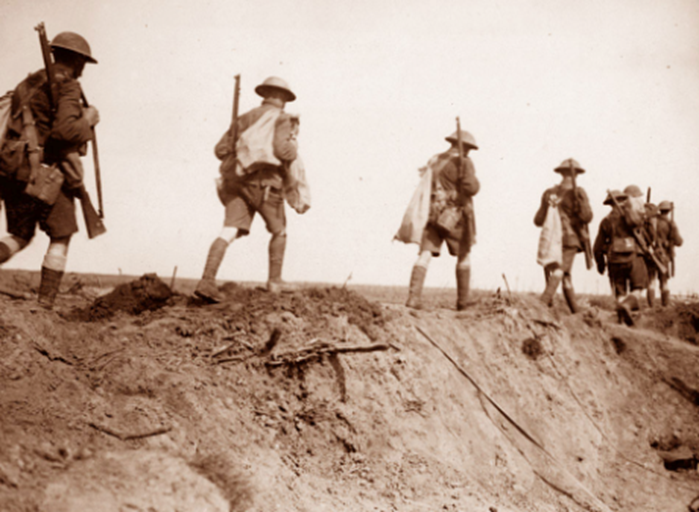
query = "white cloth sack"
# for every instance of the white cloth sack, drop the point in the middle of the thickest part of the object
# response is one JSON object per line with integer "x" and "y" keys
{"x": 551, "y": 239}
{"x": 418, "y": 211}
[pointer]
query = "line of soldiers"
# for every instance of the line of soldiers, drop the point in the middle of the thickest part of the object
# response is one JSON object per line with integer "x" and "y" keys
{"x": 261, "y": 170}
{"x": 635, "y": 243}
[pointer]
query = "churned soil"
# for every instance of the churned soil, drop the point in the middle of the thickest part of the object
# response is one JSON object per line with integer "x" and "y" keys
{"x": 139, "y": 398}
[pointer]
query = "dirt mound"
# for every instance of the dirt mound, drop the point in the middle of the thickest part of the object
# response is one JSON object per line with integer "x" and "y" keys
{"x": 324, "y": 400}
{"x": 145, "y": 294}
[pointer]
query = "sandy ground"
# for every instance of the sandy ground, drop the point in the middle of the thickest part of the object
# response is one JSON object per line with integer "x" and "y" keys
{"x": 322, "y": 399}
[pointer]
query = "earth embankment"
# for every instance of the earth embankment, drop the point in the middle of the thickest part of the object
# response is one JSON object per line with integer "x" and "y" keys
{"x": 321, "y": 399}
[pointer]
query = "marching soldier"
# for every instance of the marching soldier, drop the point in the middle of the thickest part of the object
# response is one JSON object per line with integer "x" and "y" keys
{"x": 616, "y": 250}
{"x": 575, "y": 214}
{"x": 449, "y": 184}
{"x": 255, "y": 176}
{"x": 668, "y": 238}
{"x": 62, "y": 133}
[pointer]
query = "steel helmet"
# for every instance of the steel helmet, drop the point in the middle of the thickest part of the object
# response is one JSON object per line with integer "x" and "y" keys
{"x": 665, "y": 206}
{"x": 277, "y": 84}
{"x": 567, "y": 164}
{"x": 466, "y": 139}
{"x": 616, "y": 194}
{"x": 75, "y": 43}
{"x": 633, "y": 191}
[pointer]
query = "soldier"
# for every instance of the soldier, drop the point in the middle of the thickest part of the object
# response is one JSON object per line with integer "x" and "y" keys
{"x": 451, "y": 217}
{"x": 253, "y": 180}
{"x": 668, "y": 238}
{"x": 63, "y": 135}
{"x": 617, "y": 250}
{"x": 575, "y": 214}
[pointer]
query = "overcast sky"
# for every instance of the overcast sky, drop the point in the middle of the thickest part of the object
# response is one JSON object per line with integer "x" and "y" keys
{"x": 610, "y": 83}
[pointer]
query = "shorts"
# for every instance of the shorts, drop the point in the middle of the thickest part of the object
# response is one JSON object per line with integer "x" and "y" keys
{"x": 625, "y": 277}
{"x": 433, "y": 237}
{"x": 568, "y": 257}
{"x": 24, "y": 212}
{"x": 250, "y": 198}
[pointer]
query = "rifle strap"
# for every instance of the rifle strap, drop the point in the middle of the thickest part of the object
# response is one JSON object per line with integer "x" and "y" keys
{"x": 34, "y": 152}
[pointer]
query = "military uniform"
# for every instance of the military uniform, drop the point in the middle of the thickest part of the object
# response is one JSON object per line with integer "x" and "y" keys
{"x": 451, "y": 218}
{"x": 258, "y": 188}
{"x": 668, "y": 237}
{"x": 65, "y": 133}
{"x": 616, "y": 250}
{"x": 575, "y": 214}
{"x": 61, "y": 137}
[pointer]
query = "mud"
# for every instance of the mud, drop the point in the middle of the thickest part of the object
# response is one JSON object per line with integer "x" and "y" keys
{"x": 323, "y": 399}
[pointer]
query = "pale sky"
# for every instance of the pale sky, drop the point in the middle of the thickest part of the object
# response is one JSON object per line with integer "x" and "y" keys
{"x": 610, "y": 83}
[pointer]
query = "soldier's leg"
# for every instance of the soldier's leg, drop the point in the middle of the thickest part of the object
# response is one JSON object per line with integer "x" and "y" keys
{"x": 463, "y": 280}
{"x": 272, "y": 211}
{"x": 417, "y": 279}
{"x": 238, "y": 218}
{"x": 11, "y": 245}
{"x": 555, "y": 276}
{"x": 52, "y": 270}
{"x": 568, "y": 290}
{"x": 638, "y": 281}
{"x": 664, "y": 290}
{"x": 430, "y": 245}
{"x": 652, "y": 283}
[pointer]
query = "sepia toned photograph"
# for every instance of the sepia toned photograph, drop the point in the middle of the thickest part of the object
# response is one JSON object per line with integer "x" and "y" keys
{"x": 349, "y": 256}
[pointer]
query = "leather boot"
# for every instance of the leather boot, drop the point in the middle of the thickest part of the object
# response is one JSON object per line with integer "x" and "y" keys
{"x": 48, "y": 289}
{"x": 569, "y": 294}
{"x": 5, "y": 253}
{"x": 650, "y": 295}
{"x": 277, "y": 247}
{"x": 207, "y": 289}
{"x": 417, "y": 280}
{"x": 665, "y": 297}
{"x": 463, "y": 282}
{"x": 551, "y": 287}
{"x": 625, "y": 307}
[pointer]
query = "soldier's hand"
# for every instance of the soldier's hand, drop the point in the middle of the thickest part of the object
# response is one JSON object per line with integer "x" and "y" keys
{"x": 92, "y": 115}
{"x": 600, "y": 267}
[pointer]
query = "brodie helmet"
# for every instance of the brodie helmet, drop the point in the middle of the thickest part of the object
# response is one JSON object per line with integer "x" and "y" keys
{"x": 616, "y": 194}
{"x": 74, "y": 43}
{"x": 274, "y": 83}
{"x": 466, "y": 139}
{"x": 633, "y": 191}
{"x": 567, "y": 164}
{"x": 665, "y": 206}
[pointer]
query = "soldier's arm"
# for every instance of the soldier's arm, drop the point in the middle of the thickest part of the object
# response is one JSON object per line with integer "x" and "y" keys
{"x": 70, "y": 125}
{"x": 224, "y": 147}
{"x": 285, "y": 144}
{"x": 540, "y": 216}
{"x": 584, "y": 212}
{"x": 677, "y": 239}
{"x": 599, "y": 248}
{"x": 469, "y": 183}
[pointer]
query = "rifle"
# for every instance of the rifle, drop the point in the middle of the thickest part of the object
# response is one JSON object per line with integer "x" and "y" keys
{"x": 648, "y": 196}
{"x": 583, "y": 233}
{"x": 647, "y": 249}
{"x": 93, "y": 222}
{"x": 672, "y": 244}
{"x": 234, "y": 123}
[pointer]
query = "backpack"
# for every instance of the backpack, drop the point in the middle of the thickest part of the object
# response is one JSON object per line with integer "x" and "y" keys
{"x": 14, "y": 139}
{"x": 20, "y": 154}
